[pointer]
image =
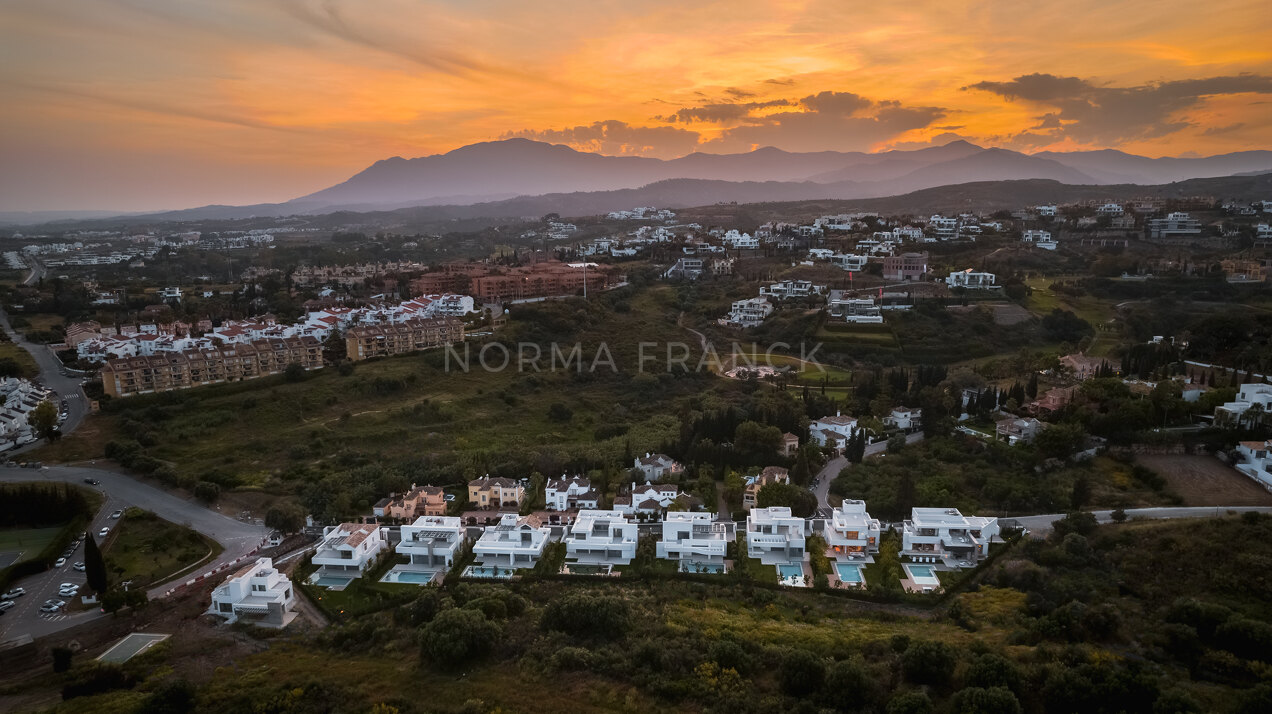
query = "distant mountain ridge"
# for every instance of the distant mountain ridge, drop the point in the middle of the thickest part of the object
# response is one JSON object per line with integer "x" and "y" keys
{"x": 516, "y": 167}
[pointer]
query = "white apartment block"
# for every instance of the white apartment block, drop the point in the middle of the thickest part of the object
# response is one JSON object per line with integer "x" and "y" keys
{"x": 515, "y": 542}
{"x": 1034, "y": 236}
{"x": 774, "y": 536}
{"x": 569, "y": 494}
{"x": 601, "y": 538}
{"x": 348, "y": 550}
{"x": 943, "y": 535}
{"x": 258, "y": 593}
{"x": 1110, "y": 209}
{"x": 851, "y": 534}
{"x": 970, "y": 279}
{"x": 697, "y": 541}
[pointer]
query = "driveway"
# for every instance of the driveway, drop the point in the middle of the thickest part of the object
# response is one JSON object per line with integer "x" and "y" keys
{"x": 236, "y": 538}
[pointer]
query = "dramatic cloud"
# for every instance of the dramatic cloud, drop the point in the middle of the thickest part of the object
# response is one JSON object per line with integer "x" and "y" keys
{"x": 835, "y": 121}
{"x": 720, "y": 112}
{"x": 1091, "y": 114}
{"x": 618, "y": 138}
{"x": 843, "y": 103}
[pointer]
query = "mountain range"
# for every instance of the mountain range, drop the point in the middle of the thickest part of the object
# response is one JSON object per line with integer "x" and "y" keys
{"x": 517, "y": 177}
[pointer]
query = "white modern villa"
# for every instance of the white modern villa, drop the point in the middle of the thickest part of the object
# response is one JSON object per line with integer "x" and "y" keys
{"x": 259, "y": 593}
{"x": 603, "y": 538}
{"x": 431, "y": 543}
{"x": 851, "y": 533}
{"x": 775, "y": 537}
{"x": 696, "y": 540}
{"x": 1256, "y": 397}
{"x": 346, "y": 551}
{"x": 947, "y": 537}
{"x": 970, "y": 279}
{"x": 515, "y": 542}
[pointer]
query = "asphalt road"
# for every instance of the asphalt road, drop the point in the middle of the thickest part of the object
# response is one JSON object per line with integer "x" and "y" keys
{"x": 53, "y": 376}
{"x": 1041, "y": 525}
{"x": 236, "y": 537}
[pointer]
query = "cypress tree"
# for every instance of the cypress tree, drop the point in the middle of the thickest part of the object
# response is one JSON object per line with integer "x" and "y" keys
{"x": 94, "y": 566}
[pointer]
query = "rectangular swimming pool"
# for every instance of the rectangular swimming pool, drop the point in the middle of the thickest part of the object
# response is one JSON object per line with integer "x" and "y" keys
{"x": 923, "y": 575}
{"x": 709, "y": 568}
{"x": 849, "y": 573}
{"x": 331, "y": 581}
{"x": 790, "y": 570}
{"x": 409, "y": 576}
{"x": 487, "y": 571}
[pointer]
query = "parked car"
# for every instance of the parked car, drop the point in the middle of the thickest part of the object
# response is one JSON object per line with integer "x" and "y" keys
{"x": 80, "y": 567}
{"x": 117, "y": 514}
{"x": 92, "y": 481}
{"x": 49, "y": 608}
{"x": 102, "y": 533}
{"x": 59, "y": 562}
{"x": 14, "y": 593}
{"x": 6, "y": 604}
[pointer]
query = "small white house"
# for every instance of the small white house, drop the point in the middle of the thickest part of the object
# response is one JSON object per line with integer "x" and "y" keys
{"x": 1256, "y": 461}
{"x": 904, "y": 418}
{"x": 347, "y": 550}
{"x": 257, "y": 592}
{"x": 515, "y": 542}
{"x": 945, "y": 536}
{"x": 970, "y": 279}
{"x": 601, "y": 538}
{"x": 649, "y": 499}
{"x": 832, "y": 431}
{"x": 656, "y": 466}
{"x": 696, "y": 540}
{"x": 569, "y": 494}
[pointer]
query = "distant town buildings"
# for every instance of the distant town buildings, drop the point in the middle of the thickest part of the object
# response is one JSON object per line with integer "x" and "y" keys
{"x": 232, "y": 363}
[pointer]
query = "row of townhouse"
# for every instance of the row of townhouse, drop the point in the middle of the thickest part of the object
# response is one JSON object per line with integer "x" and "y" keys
{"x": 367, "y": 342}
{"x": 230, "y": 363}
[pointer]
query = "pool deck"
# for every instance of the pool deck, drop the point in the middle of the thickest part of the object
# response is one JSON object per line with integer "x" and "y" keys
{"x": 911, "y": 586}
{"x": 803, "y": 581}
{"x": 397, "y": 570}
{"x": 834, "y": 580}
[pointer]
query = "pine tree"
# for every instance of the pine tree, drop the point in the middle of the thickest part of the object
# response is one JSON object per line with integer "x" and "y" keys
{"x": 94, "y": 566}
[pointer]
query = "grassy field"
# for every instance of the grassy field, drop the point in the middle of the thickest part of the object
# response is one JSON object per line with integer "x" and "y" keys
{"x": 148, "y": 550}
{"x": 24, "y": 360}
{"x": 1100, "y": 313}
{"x": 27, "y": 541}
{"x": 1205, "y": 481}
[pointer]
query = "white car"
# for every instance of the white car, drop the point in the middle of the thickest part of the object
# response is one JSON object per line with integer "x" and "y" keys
{"x": 102, "y": 533}
{"x": 117, "y": 514}
{"x": 80, "y": 567}
{"x": 68, "y": 585}
{"x": 14, "y": 593}
{"x": 6, "y": 604}
{"x": 59, "y": 562}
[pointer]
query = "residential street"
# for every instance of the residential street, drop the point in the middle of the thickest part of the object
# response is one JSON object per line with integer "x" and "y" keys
{"x": 1041, "y": 525}
{"x": 236, "y": 537}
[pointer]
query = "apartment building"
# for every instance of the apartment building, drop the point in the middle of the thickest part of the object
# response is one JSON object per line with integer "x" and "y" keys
{"x": 1178, "y": 227}
{"x": 905, "y": 267}
{"x": 257, "y": 592}
{"x": 397, "y": 338}
{"x": 164, "y": 372}
{"x": 696, "y": 540}
{"x": 347, "y": 550}
{"x": 943, "y": 535}
{"x": 485, "y": 493}
{"x": 539, "y": 280}
{"x": 775, "y": 536}
{"x": 515, "y": 542}
{"x": 601, "y": 538}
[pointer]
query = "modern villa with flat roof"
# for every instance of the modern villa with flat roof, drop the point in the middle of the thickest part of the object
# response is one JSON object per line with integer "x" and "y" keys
{"x": 947, "y": 537}
{"x": 696, "y": 540}
{"x": 431, "y": 543}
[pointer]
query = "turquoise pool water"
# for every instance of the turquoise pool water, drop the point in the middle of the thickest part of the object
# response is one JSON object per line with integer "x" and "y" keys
{"x": 848, "y": 572}
{"x": 408, "y": 576}
{"x": 709, "y": 568}
{"x": 328, "y": 581}
{"x": 790, "y": 570}
{"x": 486, "y": 571}
{"x": 923, "y": 574}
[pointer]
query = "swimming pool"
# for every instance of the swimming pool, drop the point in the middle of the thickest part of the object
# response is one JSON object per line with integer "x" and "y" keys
{"x": 332, "y": 581}
{"x": 923, "y": 575}
{"x": 487, "y": 571}
{"x": 849, "y": 573}
{"x": 409, "y": 576}
{"x": 790, "y": 570}
{"x": 708, "y": 568}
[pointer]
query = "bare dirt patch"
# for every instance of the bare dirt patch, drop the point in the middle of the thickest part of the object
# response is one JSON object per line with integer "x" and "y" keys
{"x": 1206, "y": 481}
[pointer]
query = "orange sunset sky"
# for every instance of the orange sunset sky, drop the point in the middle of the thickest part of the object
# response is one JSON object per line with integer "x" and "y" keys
{"x": 148, "y": 104}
